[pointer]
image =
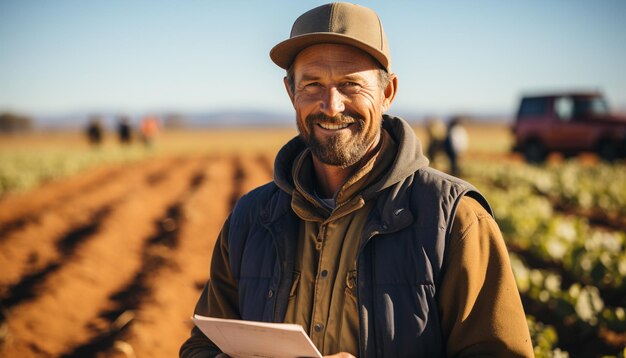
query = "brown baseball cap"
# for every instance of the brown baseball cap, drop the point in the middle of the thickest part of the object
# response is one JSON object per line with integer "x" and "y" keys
{"x": 335, "y": 23}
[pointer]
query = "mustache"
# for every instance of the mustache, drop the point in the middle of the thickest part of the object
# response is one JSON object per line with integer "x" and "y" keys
{"x": 341, "y": 118}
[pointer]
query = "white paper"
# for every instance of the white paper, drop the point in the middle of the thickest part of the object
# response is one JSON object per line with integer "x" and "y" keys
{"x": 244, "y": 339}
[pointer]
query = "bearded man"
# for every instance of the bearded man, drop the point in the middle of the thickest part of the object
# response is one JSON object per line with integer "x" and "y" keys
{"x": 356, "y": 239}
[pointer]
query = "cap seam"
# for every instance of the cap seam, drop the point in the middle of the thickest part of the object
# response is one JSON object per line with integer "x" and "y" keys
{"x": 332, "y": 16}
{"x": 380, "y": 33}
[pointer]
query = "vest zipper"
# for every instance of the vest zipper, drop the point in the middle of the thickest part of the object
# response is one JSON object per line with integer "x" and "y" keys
{"x": 358, "y": 295}
{"x": 280, "y": 274}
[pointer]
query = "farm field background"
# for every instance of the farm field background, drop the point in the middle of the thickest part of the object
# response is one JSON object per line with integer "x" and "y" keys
{"x": 104, "y": 250}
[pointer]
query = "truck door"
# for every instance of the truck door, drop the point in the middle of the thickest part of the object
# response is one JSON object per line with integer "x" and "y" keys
{"x": 567, "y": 131}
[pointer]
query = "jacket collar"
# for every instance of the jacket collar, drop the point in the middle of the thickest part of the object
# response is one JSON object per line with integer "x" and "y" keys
{"x": 409, "y": 158}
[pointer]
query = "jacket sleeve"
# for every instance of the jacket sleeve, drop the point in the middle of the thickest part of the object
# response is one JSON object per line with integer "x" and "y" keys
{"x": 480, "y": 307}
{"x": 219, "y": 298}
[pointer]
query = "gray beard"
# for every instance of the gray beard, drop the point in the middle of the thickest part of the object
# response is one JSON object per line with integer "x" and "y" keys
{"x": 332, "y": 151}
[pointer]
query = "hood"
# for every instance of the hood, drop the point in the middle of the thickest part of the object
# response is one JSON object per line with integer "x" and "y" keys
{"x": 410, "y": 158}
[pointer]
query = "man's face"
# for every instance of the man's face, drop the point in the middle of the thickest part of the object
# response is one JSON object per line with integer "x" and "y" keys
{"x": 339, "y": 102}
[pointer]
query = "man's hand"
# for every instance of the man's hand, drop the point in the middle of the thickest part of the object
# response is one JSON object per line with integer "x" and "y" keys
{"x": 341, "y": 355}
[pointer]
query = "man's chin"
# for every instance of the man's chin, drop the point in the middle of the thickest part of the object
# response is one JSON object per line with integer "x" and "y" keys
{"x": 337, "y": 157}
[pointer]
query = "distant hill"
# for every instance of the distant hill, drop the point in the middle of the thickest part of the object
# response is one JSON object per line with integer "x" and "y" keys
{"x": 78, "y": 120}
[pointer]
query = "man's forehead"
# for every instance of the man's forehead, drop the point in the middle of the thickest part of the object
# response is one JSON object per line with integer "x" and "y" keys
{"x": 335, "y": 56}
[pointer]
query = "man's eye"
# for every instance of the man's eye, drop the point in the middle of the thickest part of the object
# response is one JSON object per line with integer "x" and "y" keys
{"x": 350, "y": 87}
{"x": 312, "y": 85}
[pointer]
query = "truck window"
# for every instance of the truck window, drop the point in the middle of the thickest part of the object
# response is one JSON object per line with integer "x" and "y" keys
{"x": 533, "y": 107}
{"x": 564, "y": 108}
{"x": 589, "y": 107}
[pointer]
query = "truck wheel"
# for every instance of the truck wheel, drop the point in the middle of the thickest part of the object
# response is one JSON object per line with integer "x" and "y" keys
{"x": 534, "y": 152}
{"x": 607, "y": 150}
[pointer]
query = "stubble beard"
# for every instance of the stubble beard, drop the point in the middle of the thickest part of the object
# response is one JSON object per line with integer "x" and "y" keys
{"x": 336, "y": 150}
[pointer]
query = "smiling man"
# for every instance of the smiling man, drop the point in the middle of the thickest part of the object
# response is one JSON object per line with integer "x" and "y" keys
{"x": 339, "y": 94}
{"x": 374, "y": 253}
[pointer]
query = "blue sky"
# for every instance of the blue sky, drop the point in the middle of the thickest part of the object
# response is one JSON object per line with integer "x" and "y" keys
{"x": 477, "y": 56}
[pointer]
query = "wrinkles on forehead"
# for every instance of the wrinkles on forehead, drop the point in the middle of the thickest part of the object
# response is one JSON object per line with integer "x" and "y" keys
{"x": 338, "y": 52}
{"x": 333, "y": 61}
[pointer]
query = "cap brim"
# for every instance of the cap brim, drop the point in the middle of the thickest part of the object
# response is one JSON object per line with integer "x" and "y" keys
{"x": 285, "y": 52}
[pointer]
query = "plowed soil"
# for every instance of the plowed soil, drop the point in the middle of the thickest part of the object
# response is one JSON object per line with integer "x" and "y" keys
{"x": 110, "y": 263}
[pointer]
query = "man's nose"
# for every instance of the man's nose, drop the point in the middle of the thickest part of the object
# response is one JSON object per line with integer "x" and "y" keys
{"x": 332, "y": 102}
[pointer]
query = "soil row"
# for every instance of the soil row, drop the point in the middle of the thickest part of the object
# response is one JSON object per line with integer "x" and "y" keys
{"x": 18, "y": 209}
{"x": 55, "y": 227}
{"x": 70, "y": 297}
{"x": 188, "y": 266}
{"x": 116, "y": 269}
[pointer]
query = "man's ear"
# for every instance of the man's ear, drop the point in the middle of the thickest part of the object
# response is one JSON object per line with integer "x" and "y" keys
{"x": 288, "y": 88}
{"x": 390, "y": 92}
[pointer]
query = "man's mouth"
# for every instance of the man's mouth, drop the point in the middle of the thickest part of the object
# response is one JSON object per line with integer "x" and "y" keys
{"x": 333, "y": 126}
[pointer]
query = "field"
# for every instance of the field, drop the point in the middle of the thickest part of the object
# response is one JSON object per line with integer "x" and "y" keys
{"x": 104, "y": 250}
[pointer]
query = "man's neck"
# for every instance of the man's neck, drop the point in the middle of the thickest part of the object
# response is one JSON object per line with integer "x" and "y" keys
{"x": 330, "y": 177}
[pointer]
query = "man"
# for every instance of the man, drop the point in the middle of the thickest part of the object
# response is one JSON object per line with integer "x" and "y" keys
{"x": 374, "y": 253}
{"x": 455, "y": 143}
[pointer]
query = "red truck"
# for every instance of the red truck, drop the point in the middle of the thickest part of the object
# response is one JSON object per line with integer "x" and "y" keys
{"x": 568, "y": 123}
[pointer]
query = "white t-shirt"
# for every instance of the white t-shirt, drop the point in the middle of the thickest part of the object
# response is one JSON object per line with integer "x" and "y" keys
{"x": 459, "y": 139}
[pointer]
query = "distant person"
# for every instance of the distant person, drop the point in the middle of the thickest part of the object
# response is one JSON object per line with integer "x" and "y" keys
{"x": 456, "y": 143}
{"x": 124, "y": 130}
{"x": 357, "y": 239}
{"x": 149, "y": 129}
{"x": 94, "y": 131}
{"x": 436, "y": 131}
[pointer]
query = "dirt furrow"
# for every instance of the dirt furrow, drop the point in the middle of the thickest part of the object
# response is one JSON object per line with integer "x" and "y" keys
{"x": 155, "y": 258}
{"x": 26, "y": 288}
{"x": 266, "y": 161}
{"x": 611, "y": 296}
{"x": 248, "y": 174}
{"x": 256, "y": 173}
{"x": 174, "y": 289}
{"x": 607, "y": 220}
{"x": 237, "y": 179}
{"x": 65, "y": 312}
{"x": 21, "y": 210}
{"x": 17, "y": 209}
{"x": 32, "y": 249}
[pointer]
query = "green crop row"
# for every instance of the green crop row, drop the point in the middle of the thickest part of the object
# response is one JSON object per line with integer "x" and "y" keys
{"x": 591, "y": 255}
{"x": 599, "y": 188}
{"x": 524, "y": 199}
{"x": 22, "y": 170}
{"x": 545, "y": 339}
{"x": 578, "y": 306}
